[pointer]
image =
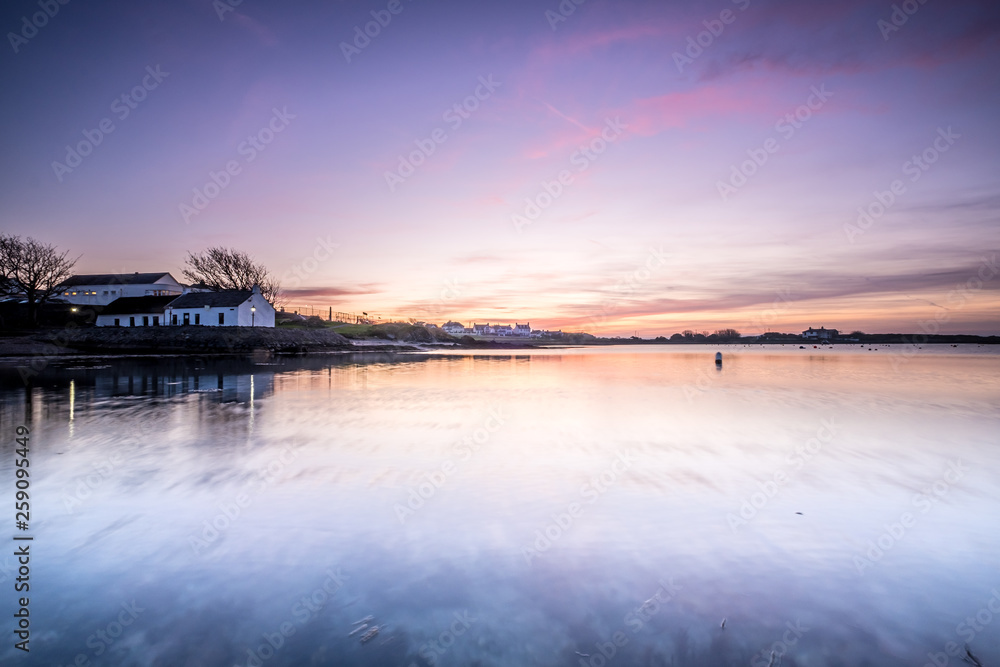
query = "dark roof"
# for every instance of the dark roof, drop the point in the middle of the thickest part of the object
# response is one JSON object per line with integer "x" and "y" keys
{"x": 127, "y": 305}
{"x": 114, "y": 279}
{"x": 233, "y": 297}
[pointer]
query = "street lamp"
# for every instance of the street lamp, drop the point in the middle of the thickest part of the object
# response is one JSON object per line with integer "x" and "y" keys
{"x": 253, "y": 314}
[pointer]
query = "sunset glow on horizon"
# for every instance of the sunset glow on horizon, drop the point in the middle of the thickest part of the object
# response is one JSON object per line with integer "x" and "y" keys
{"x": 610, "y": 167}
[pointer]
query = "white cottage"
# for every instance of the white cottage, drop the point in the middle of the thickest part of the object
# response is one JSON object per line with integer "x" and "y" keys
{"x": 228, "y": 308}
{"x": 135, "y": 311}
{"x": 100, "y": 289}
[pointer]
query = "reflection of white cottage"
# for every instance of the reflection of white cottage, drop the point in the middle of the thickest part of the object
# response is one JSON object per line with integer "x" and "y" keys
{"x": 100, "y": 289}
{"x": 228, "y": 308}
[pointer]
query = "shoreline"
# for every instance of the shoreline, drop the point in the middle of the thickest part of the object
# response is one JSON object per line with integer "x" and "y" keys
{"x": 240, "y": 341}
{"x": 198, "y": 341}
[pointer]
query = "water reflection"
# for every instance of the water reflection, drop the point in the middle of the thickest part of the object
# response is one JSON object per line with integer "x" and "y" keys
{"x": 543, "y": 508}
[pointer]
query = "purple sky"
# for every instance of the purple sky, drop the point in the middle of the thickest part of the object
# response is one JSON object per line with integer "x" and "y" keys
{"x": 662, "y": 220}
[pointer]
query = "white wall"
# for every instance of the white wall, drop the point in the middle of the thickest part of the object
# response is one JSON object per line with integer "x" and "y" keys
{"x": 102, "y": 299}
{"x": 207, "y": 317}
{"x": 235, "y": 316}
{"x": 125, "y": 321}
{"x": 264, "y": 317}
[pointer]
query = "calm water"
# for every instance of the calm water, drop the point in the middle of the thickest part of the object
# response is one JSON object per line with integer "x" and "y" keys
{"x": 556, "y": 507}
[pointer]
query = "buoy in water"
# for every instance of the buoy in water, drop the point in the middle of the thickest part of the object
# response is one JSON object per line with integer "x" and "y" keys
{"x": 718, "y": 358}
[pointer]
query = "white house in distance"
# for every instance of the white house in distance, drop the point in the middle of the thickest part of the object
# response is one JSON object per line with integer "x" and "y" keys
{"x": 135, "y": 311}
{"x": 518, "y": 330}
{"x": 100, "y": 289}
{"x": 820, "y": 334}
{"x": 228, "y": 308}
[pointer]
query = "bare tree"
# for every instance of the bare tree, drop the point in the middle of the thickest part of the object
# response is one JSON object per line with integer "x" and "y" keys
{"x": 225, "y": 268}
{"x": 32, "y": 269}
{"x": 728, "y": 334}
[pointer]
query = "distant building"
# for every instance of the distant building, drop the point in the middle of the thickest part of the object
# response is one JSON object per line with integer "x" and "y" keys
{"x": 135, "y": 311}
{"x": 504, "y": 330}
{"x": 453, "y": 328}
{"x": 100, "y": 289}
{"x": 820, "y": 334}
{"x": 197, "y": 287}
{"x": 228, "y": 308}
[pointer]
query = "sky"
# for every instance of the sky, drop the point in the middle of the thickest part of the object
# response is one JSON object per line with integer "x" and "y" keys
{"x": 612, "y": 167}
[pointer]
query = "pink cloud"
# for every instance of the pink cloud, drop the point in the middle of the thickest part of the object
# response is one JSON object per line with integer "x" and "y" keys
{"x": 652, "y": 115}
{"x": 263, "y": 34}
{"x": 583, "y": 42}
